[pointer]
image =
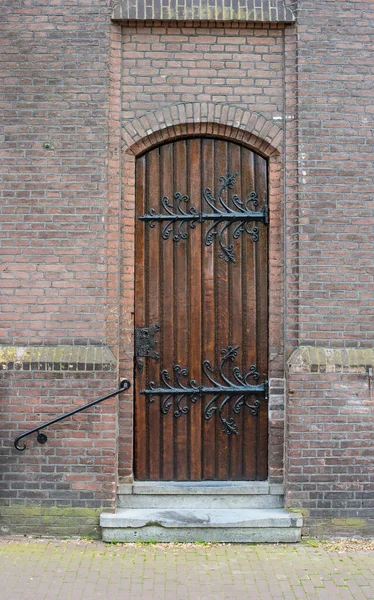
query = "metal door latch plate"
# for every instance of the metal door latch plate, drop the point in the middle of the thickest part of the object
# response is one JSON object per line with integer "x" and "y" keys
{"x": 145, "y": 343}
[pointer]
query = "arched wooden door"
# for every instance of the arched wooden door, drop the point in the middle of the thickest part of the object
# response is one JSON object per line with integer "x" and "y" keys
{"x": 201, "y": 312}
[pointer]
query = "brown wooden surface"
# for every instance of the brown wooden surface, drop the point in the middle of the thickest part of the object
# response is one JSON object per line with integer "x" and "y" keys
{"x": 203, "y": 304}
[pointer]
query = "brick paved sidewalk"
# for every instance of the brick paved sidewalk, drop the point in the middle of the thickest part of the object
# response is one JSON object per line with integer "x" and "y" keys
{"x": 84, "y": 570}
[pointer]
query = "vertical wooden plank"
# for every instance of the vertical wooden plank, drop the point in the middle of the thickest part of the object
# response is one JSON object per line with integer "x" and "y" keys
{"x": 249, "y": 274}
{"x": 167, "y": 314}
{"x": 262, "y": 316}
{"x": 140, "y": 450}
{"x": 222, "y": 317}
{"x": 208, "y": 309}
{"x": 153, "y": 291}
{"x": 181, "y": 311}
{"x": 195, "y": 314}
{"x": 236, "y": 314}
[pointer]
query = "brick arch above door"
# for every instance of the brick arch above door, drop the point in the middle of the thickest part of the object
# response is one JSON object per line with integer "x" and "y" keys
{"x": 202, "y": 118}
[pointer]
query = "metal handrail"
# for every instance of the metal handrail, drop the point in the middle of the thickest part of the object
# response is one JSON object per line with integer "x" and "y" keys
{"x": 42, "y": 438}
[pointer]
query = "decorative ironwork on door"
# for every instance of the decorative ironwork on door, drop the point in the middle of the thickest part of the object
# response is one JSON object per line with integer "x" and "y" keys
{"x": 223, "y": 216}
{"x": 235, "y": 391}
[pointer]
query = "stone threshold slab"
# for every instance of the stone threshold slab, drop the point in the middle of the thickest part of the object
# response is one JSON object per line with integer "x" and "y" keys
{"x": 200, "y": 488}
{"x": 206, "y": 501}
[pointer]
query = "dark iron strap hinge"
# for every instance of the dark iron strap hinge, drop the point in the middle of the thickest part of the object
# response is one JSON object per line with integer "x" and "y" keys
{"x": 178, "y": 216}
{"x": 227, "y": 392}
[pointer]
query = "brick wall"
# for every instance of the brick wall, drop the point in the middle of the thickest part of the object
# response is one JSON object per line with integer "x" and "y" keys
{"x": 164, "y": 65}
{"x": 335, "y": 78}
{"x": 69, "y": 78}
{"x": 330, "y": 270}
{"x": 54, "y": 100}
{"x": 330, "y": 450}
{"x": 54, "y": 77}
{"x": 60, "y": 487}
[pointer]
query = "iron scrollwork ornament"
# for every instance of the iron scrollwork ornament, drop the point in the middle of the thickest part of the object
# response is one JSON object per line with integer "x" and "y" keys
{"x": 181, "y": 390}
{"x": 222, "y": 214}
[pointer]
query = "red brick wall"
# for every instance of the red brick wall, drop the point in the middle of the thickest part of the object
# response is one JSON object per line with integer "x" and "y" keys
{"x": 330, "y": 273}
{"x": 54, "y": 105}
{"x": 336, "y": 172}
{"x": 165, "y": 65}
{"x": 69, "y": 79}
{"x": 54, "y": 80}
{"x": 61, "y": 486}
{"x": 330, "y": 452}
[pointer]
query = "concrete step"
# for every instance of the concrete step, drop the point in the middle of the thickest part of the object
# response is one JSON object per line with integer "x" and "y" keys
{"x": 177, "y": 501}
{"x": 210, "y": 494}
{"x": 189, "y": 525}
{"x": 200, "y": 487}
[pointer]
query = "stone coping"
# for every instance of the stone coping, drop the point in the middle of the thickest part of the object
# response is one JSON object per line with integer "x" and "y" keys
{"x": 314, "y": 359}
{"x": 56, "y": 358}
{"x": 256, "y": 11}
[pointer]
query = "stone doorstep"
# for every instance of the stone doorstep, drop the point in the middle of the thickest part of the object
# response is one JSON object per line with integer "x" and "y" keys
{"x": 256, "y": 517}
{"x": 226, "y": 525}
{"x": 249, "y": 535}
{"x": 200, "y": 488}
{"x": 205, "y": 501}
{"x": 210, "y": 511}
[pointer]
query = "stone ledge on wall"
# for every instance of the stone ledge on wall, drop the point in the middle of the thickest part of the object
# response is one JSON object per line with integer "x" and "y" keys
{"x": 253, "y": 11}
{"x": 57, "y": 358}
{"x": 314, "y": 359}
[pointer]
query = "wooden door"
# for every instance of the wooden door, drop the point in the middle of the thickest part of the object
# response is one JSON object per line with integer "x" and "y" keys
{"x": 201, "y": 312}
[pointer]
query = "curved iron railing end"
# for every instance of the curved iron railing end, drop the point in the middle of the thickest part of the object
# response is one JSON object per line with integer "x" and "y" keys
{"x": 42, "y": 437}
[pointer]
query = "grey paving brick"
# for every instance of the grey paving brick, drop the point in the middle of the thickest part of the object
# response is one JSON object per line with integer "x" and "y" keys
{"x": 82, "y": 570}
